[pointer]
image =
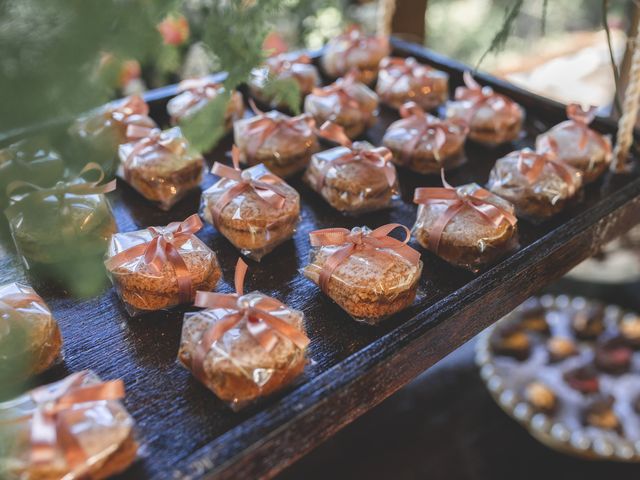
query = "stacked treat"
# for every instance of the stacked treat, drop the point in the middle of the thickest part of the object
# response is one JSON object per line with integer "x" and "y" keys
{"x": 243, "y": 346}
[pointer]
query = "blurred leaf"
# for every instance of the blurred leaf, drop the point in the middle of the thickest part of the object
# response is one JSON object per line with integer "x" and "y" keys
{"x": 284, "y": 91}
{"x": 204, "y": 128}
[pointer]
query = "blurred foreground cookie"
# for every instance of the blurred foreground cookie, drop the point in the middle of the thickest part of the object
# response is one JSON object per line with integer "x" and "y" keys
{"x": 467, "y": 226}
{"x": 243, "y": 346}
{"x": 72, "y": 429}
{"x": 368, "y": 273}
{"x": 161, "y": 267}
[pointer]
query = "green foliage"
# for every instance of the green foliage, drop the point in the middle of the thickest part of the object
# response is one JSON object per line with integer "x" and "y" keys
{"x": 500, "y": 39}
{"x": 284, "y": 91}
{"x": 205, "y": 127}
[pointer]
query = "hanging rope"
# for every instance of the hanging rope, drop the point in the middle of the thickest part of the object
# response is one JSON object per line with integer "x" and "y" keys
{"x": 386, "y": 9}
{"x": 627, "y": 121}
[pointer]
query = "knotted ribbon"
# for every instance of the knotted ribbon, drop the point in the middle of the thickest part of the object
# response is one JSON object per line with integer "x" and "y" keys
{"x": 356, "y": 39}
{"x": 268, "y": 187}
{"x": 261, "y": 323}
{"x": 199, "y": 89}
{"x": 51, "y": 429}
{"x": 379, "y": 157}
{"x": 152, "y": 137}
{"x": 580, "y": 119}
{"x": 12, "y": 301}
{"x": 163, "y": 249}
{"x": 339, "y": 88}
{"x": 263, "y": 125}
{"x": 279, "y": 64}
{"x": 398, "y": 68}
{"x": 479, "y": 96}
{"x": 359, "y": 240}
{"x": 133, "y": 105}
{"x": 531, "y": 164}
{"x": 456, "y": 200}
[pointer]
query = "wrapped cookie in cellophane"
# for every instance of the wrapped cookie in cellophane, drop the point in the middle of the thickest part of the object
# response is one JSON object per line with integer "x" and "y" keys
{"x": 161, "y": 267}
{"x": 354, "y": 50}
{"x": 424, "y": 143}
{"x": 402, "y": 80}
{"x": 347, "y": 102}
{"x": 285, "y": 66}
{"x": 70, "y": 220}
{"x": 195, "y": 93}
{"x": 574, "y": 143}
{"x": 73, "y": 429}
{"x": 354, "y": 178}
{"x": 254, "y": 209}
{"x": 282, "y": 143}
{"x": 243, "y": 346}
{"x": 467, "y": 226}
{"x": 370, "y": 274}
{"x": 30, "y": 339}
{"x": 537, "y": 183}
{"x": 160, "y": 165}
{"x": 492, "y": 118}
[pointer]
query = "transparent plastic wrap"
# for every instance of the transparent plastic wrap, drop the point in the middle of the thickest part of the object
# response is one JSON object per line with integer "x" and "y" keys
{"x": 424, "y": 143}
{"x": 354, "y": 178}
{"x": 356, "y": 51}
{"x": 160, "y": 267}
{"x": 401, "y": 80}
{"x": 493, "y": 119}
{"x": 367, "y": 273}
{"x": 160, "y": 165}
{"x": 71, "y": 220}
{"x": 30, "y": 340}
{"x": 69, "y": 430}
{"x": 347, "y": 102}
{"x": 32, "y": 160}
{"x": 243, "y": 346}
{"x": 285, "y": 66}
{"x": 195, "y": 93}
{"x": 467, "y": 226}
{"x": 254, "y": 209}
{"x": 536, "y": 183}
{"x": 574, "y": 143}
{"x": 282, "y": 143}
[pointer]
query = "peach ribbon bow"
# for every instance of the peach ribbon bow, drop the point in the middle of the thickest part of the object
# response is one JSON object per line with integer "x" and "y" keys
{"x": 531, "y": 164}
{"x": 479, "y": 96}
{"x": 580, "y": 120}
{"x": 408, "y": 67}
{"x": 351, "y": 241}
{"x": 152, "y": 137}
{"x": 357, "y": 40}
{"x": 456, "y": 201}
{"x": 163, "y": 249}
{"x": 261, "y": 323}
{"x": 283, "y": 62}
{"x": 200, "y": 89}
{"x": 133, "y": 105}
{"x": 340, "y": 88}
{"x": 268, "y": 186}
{"x": 50, "y": 427}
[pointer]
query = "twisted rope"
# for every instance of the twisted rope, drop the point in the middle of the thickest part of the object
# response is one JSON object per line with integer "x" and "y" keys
{"x": 386, "y": 9}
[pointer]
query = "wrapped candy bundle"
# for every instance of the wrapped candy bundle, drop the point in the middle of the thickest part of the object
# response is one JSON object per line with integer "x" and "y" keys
{"x": 69, "y": 220}
{"x": 401, "y": 80}
{"x": 347, "y": 102}
{"x": 424, "y": 143}
{"x": 492, "y": 118}
{"x": 356, "y": 51}
{"x": 537, "y": 183}
{"x": 243, "y": 346}
{"x": 161, "y": 267}
{"x": 574, "y": 143}
{"x": 281, "y": 67}
{"x": 72, "y": 429}
{"x": 467, "y": 226}
{"x": 30, "y": 339}
{"x": 195, "y": 93}
{"x": 160, "y": 165}
{"x": 254, "y": 209}
{"x": 354, "y": 178}
{"x": 283, "y": 144}
{"x": 368, "y": 273}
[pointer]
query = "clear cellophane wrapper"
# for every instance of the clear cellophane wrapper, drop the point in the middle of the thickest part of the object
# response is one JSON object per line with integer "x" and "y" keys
{"x": 351, "y": 188}
{"x": 285, "y": 151}
{"x": 104, "y": 431}
{"x": 143, "y": 289}
{"x": 415, "y": 146}
{"x": 354, "y": 117}
{"x": 190, "y": 101}
{"x": 369, "y": 286}
{"x": 236, "y": 367}
{"x": 30, "y": 340}
{"x": 356, "y": 51}
{"x": 161, "y": 174}
{"x": 60, "y": 227}
{"x": 252, "y": 225}
{"x": 538, "y": 199}
{"x": 405, "y": 80}
{"x": 468, "y": 240}
{"x": 283, "y": 67}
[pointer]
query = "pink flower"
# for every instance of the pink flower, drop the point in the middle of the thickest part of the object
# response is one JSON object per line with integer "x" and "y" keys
{"x": 174, "y": 30}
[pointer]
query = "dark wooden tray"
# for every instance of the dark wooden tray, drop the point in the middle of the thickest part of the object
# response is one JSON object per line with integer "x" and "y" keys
{"x": 186, "y": 432}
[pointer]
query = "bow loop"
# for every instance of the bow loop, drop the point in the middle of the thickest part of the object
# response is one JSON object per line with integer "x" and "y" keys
{"x": 531, "y": 164}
